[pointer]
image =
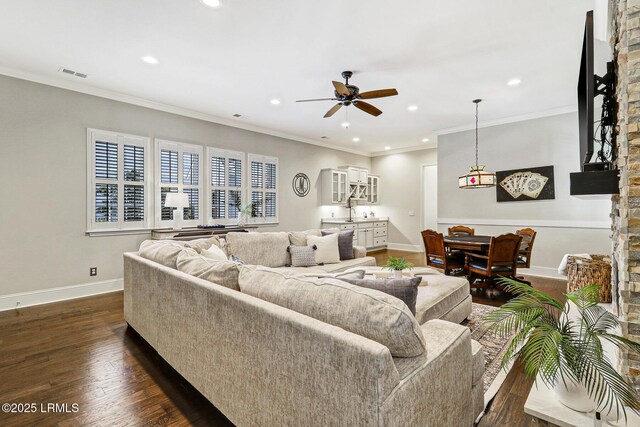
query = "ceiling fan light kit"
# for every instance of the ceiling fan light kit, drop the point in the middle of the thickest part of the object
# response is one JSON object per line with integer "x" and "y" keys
{"x": 477, "y": 177}
{"x": 347, "y": 94}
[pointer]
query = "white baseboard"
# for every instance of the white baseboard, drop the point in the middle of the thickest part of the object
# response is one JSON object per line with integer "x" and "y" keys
{"x": 542, "y": 272}
{"x": 45, "y": 296}
{"x": 405, "y": 247}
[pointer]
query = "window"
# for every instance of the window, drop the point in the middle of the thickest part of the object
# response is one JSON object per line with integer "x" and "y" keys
{"x": 263, "y": 173}
{"x": 179, "y": 170}
{"x": 117, "y": 181}
{"x": 224, "y": 183}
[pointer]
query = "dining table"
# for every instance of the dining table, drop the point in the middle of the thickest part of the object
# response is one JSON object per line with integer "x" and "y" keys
{"x": 468, "y": 243}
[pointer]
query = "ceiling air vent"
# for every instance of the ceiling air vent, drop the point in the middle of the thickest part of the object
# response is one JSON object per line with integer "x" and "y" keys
{"x": 72, "y": 73}
{"x": 237, "y": 115}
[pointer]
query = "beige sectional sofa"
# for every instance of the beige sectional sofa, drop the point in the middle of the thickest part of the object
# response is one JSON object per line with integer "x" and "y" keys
{"x": 263, "y": 364}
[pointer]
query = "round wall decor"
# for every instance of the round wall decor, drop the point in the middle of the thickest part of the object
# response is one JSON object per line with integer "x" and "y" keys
{"x": 301, "y": 185}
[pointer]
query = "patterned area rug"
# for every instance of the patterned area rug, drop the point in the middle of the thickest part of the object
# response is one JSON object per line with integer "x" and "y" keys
{"x": 494, "y": 348}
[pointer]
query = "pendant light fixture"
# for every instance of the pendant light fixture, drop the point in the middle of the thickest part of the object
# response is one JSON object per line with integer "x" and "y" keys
{"x": 477, "y": 177}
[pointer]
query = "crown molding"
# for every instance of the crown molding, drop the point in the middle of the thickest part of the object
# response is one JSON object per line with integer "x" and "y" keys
{"x": 429, "y": 146}
{"x": 142, "y": 102}
{"x": 510, "y": 119}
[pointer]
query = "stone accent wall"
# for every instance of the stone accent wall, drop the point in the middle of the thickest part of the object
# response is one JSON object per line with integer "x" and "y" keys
{"x": 625, "y": 214}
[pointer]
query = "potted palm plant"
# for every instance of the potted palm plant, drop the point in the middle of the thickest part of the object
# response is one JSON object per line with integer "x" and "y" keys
{"x": 396, "y": 265}
{"x": 564, "y": 349}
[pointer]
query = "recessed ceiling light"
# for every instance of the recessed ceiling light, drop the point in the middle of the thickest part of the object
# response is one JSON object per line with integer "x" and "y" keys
{"x": 275, "y": 101}
{"x": 387, "y": 148}
{"x": 514, "y": 82}
{"x": 211, "y": 3}
{"x": 150, "y": 59}
{"x": 412, "y": 107}
{"x": 345, "y": 124}
{"x": 356, "y": 139}
{"x": 425, "y": 139}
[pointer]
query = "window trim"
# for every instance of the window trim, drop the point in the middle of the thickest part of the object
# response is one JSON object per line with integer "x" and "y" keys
{"x": 209, "y": 187}
{"x": 121, "y": 139}
{"x": 263, "y": 220}
{"x": 181, "y": 147}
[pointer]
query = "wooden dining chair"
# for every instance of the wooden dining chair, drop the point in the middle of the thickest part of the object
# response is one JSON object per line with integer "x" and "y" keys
{"x": 437, "y": 256}
{"x": 461, "y": 230}
{"x": 526, "y": 247}
{"x": 501, "y": 260}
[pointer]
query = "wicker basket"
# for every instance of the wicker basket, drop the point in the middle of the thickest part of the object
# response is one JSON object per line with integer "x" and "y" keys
{"x": 583, "y": 272}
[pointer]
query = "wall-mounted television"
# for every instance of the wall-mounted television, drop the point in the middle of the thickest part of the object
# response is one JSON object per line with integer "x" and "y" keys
{"x": 598, "y": 151}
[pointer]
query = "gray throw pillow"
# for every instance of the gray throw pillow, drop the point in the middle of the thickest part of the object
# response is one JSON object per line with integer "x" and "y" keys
{"x": 302, "y": 256}
{"x": 345, "y": 243}
{"x": 405, "y": 289}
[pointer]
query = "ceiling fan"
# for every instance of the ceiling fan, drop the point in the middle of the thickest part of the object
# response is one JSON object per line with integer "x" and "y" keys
{"x": 347, "y": 94}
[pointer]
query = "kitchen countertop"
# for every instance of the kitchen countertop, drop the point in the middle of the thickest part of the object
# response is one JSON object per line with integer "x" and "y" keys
{"x": 355, "y": 220}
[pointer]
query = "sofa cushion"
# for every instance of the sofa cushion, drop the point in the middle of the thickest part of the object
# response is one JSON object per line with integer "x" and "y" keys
{"x": 405, "y": 289}
{"x": 163, "y": 252}
{"x": 478, "y": 361}
{"x": 354, "y": 274}
{"x": 215, "y": 253}
{"x": 268, "y": 249}
{"x": 224, "y": 273}
{"x": 345, "y": 243}
{"x": 302, "y": 256}
{"x": 438, "y": 294}
{"x": 345, "y": 265}
{"x": 202, "y": 244}
{"x": 366, "y": 312}
{"x": 299, "y": 238}
{"x": 327, "y": 248}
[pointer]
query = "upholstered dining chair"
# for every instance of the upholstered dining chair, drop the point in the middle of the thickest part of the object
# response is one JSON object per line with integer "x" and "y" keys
{"x": 501, "y": 260}
{"x": 461, "y": 230}
{"x": 436, "y": 254}
{"x": 526, "y": 247}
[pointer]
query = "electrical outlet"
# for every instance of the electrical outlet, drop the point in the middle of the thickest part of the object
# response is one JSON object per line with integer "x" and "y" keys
{"x": 93, "y": 271}
{"x": 412, "y": 213}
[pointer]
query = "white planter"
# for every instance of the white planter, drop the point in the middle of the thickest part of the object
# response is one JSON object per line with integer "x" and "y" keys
{"x": 242, "y": 220}
{"x": 574, "y": 396}
{"x": 397, "y": 274}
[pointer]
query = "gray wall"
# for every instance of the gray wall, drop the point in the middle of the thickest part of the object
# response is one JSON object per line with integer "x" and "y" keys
{"x": 43, "y": 171}
{"x": 540, "y": 142}
{"x": 400, "y": 188}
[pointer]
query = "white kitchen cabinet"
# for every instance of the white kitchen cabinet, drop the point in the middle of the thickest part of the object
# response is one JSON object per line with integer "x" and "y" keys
{"x": 373, "y": 190}
{"x": 372, "y": 233}
{"x": 335, "y": 186}
{"x": 357, "y": 175}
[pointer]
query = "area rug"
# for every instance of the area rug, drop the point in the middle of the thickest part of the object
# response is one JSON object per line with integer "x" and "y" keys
{"x": 494, "y": 348}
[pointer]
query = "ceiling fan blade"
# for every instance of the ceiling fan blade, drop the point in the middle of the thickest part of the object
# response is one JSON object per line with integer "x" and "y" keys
{"x": 367, "y": 108}
{"x": 341, "y": 88}
{"x": 319, "y": 99}
{"x": 333, "y": 110}
{"x": 381, "y": 93}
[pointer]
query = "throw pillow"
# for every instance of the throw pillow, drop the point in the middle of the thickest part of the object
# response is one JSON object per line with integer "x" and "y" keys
{"x": 224, "y": 273}
{"x": 405, "y": 289}
{"x": 345, "y": 243}
{"x": 215, "y": 253}
{"x": 163, "y": 252}
{"x": 299, "y": 238}
{"x": 354, "y": 274}
{"x": 366, "y": 312}
{"x": 302, "y": 256}
{"x": 202, "y": 244}
{"x": 327, "y": 252}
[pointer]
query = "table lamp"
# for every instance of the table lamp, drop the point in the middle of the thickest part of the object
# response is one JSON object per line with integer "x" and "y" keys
{"x": 178, "y": 201}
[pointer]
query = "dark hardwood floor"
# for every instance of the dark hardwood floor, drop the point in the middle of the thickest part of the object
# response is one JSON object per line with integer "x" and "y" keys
{"x": 82, "y": 352}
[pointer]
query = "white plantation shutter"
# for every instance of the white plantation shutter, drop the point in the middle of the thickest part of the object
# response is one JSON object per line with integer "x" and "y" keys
{"x": 224, "y": 185}
{"x": 179, "y": 170}
{"x": 117, "y": 184}
{"x": 264, "y": 188}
